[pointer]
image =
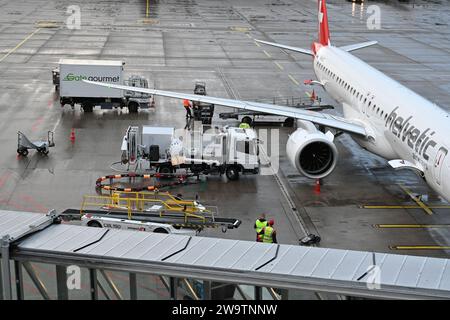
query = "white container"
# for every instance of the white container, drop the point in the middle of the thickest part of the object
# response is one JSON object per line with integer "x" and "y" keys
{"x": 161, "y": 136}
{"x": 73, "y": 71}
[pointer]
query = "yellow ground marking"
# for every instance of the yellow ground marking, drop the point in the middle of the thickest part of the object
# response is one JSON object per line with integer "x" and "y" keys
{"x": 267, "y": 54}
{"x": 410, "y": 226}
{"x": 408, "y": 206}
{"x": 417, "y": 200}
{"x": 279, "y": 65}
{"x": 240, "y": 29}
{"x": 419, "y": 247}
{"x": 149, "y": 21}
{"x": 47, "y": 24}
{"x": 293, "y": 79}
{"x": 20, "y": 44}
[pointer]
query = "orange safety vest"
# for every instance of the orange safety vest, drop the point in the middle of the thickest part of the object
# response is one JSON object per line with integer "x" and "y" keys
{"x": 186, "y": 103}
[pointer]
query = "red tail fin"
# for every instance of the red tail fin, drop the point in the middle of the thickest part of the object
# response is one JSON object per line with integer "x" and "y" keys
{"x": 324, "y": 32}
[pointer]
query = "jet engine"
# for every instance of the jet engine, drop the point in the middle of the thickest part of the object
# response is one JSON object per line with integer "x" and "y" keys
{"x": 312, "y": 152}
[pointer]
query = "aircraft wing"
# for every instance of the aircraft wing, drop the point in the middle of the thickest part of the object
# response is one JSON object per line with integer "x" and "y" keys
{"x": 283, "y": 46}
{"x": 327, "y": 120}
{"x": 357, "y": 46}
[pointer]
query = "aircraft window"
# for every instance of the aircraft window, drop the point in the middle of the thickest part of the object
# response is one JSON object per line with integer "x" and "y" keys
{"x": 370, "y": 102}
{"x": 385, "y": 116}
{"x": 378, "y": 110}
{"x": 365, "y": 100}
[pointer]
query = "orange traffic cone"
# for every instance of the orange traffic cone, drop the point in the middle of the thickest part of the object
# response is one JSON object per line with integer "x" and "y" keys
{"x": 313, "y": 96}
{"x": 317, "y": 187}
{"x": 72, "y": 135}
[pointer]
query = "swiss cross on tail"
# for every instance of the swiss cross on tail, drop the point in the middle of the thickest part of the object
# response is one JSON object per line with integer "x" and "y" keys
{"x": 324, "y": 33}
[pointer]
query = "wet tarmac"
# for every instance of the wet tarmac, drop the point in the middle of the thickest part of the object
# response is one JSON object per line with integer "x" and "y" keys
{"x": 181, "y": 42}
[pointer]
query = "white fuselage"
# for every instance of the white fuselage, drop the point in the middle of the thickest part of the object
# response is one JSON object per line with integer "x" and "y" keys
{"x": 400, "y": 123}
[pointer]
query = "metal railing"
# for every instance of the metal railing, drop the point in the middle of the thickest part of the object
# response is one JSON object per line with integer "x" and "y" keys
{"x": 140, "y": 201}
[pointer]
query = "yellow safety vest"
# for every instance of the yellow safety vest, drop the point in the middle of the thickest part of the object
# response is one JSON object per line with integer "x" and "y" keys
{"x": 260, "y": 225}
{"x": 267, "y": 236}
{"x": 244, "y": 125}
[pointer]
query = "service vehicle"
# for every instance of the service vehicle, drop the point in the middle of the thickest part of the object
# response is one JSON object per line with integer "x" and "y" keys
{"x": 156, "y": 211}
{"x": 203, "y": 112}
{"x": 202, "y": 150}
{"x": 68, "y": 76}
{"x": 312, "y": 103}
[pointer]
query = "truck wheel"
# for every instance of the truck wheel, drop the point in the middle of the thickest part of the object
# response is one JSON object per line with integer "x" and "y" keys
{"x": 88, "y": 107}
{"x": 94, "y": 224}
{"x": 232, "y": 173}
{"x": 165, "y": 169}
{"x": 22, "y": 152}
{"x": 133, "y": 107}
{"x": 247, "y": 120}
{"x": 160, "y": 230}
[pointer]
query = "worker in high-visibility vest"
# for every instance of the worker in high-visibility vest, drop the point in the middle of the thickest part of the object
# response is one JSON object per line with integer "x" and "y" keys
{"x": 187, "y": 106}
{"x": 260, "y": 223}
{"x": 269, "y": 235}
{"x": 244, "y": 125}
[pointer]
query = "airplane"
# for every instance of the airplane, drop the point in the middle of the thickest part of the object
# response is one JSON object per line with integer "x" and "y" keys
{"x": 382, "y": 116}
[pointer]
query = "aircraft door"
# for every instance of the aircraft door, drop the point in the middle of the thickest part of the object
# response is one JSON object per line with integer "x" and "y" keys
{"x": 439, "y": 164}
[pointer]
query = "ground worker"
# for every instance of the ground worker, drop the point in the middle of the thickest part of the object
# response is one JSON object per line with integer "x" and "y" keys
{"x": 187, "y": 106}
{"x": 244, "y": 125}
{"x": 268, "y": 233}
{"x": 260, "y": 223}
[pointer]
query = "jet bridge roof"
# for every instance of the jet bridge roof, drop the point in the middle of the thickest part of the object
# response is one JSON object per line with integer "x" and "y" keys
{"x": 16, "y": 224}
{"x": 234, "y": 261}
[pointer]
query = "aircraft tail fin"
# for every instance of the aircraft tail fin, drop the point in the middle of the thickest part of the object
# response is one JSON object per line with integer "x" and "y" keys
{"x": 324, "y": 31}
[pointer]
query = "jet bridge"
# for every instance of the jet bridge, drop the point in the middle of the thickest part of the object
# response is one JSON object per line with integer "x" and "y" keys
{"x": 30, "y": 237}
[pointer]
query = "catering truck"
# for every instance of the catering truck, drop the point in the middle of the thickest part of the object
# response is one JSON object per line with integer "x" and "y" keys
{"x": 68, "y": 77}
{"x": 207, "y": 150}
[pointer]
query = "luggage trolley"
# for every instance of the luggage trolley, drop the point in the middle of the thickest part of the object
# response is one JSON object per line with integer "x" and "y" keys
{"x": 42, "y": 146}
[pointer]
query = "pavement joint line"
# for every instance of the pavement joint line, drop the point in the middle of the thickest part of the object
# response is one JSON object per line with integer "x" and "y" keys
{"x": 285, "y": 193}
{"x": 410, "y": 226}
{"x": 419, "y": 247}
{"x": 20, "y": 44}
{"x": 293, "y": 79}
{"x": 417, "y": 200}
{"x": 279, "y": 65}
